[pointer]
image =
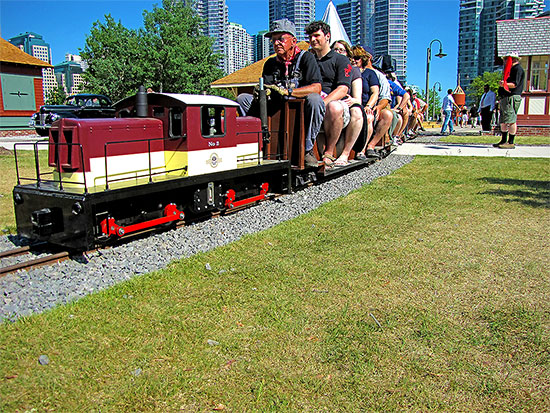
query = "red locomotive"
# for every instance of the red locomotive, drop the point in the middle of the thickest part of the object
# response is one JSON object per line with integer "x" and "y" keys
{"x": 163, "y": 157}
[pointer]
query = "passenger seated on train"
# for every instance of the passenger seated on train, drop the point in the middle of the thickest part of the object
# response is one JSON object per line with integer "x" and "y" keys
{"x": 292, "y": 73}
{"x": 336, "y": 83}
{"x": 400, "y": 97}
{"x": 353, "y": 100}
{"x": 382, "y": 116}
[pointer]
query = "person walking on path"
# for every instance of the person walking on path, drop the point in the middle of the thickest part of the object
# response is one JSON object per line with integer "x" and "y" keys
{"x": 487, "y": 105}
{"x": 447, "y": 109}
{"x": 509, "y": 94}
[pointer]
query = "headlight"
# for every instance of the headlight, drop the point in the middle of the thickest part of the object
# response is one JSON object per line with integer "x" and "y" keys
{"x": 54, "y": 117}
{"x": 34, "y": 116}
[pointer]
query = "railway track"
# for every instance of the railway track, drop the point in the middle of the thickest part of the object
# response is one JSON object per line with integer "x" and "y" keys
{"x": 28, "y": 264}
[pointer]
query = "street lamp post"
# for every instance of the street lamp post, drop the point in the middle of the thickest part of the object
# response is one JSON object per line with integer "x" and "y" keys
{"x": 433, "y": 107}
{"x": 428, "y": 59}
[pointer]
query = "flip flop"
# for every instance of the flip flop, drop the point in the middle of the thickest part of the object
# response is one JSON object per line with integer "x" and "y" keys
{"x": 340, "y": 163}
{"x": 328, "y": 159}
{"x": 360, "y": 156}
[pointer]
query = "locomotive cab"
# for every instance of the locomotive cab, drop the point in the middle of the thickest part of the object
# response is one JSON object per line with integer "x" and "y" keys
{"x": 183, "y": 154}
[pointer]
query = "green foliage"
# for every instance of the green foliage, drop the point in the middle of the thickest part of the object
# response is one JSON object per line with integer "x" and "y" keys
{"x": 475, "y": 90}
{"x": 116, "y": 59}
{"x": 179, "y": 58}
{"x": 168, "y": 54}
{"x": 56, "y": 96}
{"x": 435, "y": 102}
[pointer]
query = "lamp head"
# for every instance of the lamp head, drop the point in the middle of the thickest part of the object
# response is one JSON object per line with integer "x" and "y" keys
{"x": 441, "y": 54}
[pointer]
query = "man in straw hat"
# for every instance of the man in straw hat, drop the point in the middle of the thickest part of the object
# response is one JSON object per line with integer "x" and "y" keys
{"x": 292, "y": 73}
{"x": 509, "y": 94}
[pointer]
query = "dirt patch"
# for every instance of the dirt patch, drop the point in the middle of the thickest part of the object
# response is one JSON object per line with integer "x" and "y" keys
{"x": 4, "y": 151}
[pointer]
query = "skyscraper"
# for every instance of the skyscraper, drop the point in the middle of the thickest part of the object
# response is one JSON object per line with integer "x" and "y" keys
{"x": 69, "y": 73}
{"x": 380, "y": 24}
{"x": 300, "y": 12}
{"x": 477, "y": 32}
{"x": 261, "y": 46}
{"x": 239, "y": 47}
{"x": 35, "y": 45}
{"x": 215, "y": 17}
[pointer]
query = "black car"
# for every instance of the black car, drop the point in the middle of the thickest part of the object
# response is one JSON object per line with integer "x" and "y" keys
{"x": 83, "y": 105}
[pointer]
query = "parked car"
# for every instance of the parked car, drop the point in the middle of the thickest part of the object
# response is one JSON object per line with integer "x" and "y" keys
{"x": 83, "y": 105}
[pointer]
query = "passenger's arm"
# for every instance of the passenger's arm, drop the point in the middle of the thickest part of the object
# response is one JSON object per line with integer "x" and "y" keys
{"x": 375, "y": 91}
{"x": 337, "y": 94}
{"x": 403, "y": 103}
{"x": 306, "y": 90}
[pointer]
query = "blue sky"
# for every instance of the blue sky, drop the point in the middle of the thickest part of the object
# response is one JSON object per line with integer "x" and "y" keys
{"x": 64, "y": 24}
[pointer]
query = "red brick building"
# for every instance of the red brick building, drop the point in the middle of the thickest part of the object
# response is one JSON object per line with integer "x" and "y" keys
{"x": 21, "y": 92}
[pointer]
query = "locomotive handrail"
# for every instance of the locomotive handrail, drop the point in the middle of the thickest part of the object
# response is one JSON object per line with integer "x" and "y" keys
{"x": 151, "y": 173}
{"x": 260, "y": 136}
{"x": 40, "y": 175}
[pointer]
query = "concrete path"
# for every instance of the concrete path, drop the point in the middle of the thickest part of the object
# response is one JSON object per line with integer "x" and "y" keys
{"x": 8, "y": 142}
{"x": 471, "y": 149}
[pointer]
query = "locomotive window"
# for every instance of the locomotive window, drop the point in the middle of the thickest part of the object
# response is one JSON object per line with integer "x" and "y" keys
{"x": 175, "y": 124}
{"x": 158, "y": 111}
{"x": 212, "y": 121}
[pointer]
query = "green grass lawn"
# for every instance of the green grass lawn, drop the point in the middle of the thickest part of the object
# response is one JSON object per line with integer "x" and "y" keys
{"x": 9, "y": 180}
{"x": 490, "y": 139}
{"x": 426, "y": 290}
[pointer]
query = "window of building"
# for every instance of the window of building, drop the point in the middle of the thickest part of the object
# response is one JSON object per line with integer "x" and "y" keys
{"x": 539, "y": 73}
{"x": 212, "y": 121}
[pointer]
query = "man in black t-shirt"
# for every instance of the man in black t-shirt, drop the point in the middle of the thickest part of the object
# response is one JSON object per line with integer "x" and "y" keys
{"x": 336, "y": 83}
{"x": 510, "y": 101}
{"x": 294, "y": 74}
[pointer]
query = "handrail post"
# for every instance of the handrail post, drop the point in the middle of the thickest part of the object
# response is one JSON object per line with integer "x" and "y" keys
{"x": 37, "y": 164}
{"x": 106, "y": 174}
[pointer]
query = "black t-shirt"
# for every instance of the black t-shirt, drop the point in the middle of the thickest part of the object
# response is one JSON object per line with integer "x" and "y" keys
{"x": 369, "y": 79}
{"x": 307, "y": 73}
{"x": 517, "y": 76}
{"x": 335, "y": 71}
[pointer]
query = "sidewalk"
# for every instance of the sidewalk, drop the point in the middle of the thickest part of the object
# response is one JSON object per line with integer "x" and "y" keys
{"x": 472, "y": 149}
{"x": 427, "y": 144}
{"x": 8, "y": 142}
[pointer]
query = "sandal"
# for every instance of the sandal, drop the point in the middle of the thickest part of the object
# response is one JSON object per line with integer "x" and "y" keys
{"x": 328, "y": 159}
{"x": 371, "y": 154}
{"x": 360, "y": 156}
{"x": 340, "y": 163}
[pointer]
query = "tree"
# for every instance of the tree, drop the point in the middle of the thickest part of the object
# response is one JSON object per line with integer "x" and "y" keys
{"x": 435, "y": 103}
{"x": 475, "y": 90}
{"x": 56, "y": 96}
{"x": 180, "y": 58}
{"x": 168, "y": 54}
{"x": 115, "y": 57}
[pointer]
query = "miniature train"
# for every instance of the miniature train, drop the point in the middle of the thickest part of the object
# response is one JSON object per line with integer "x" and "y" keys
{"x": 163, "y": 157}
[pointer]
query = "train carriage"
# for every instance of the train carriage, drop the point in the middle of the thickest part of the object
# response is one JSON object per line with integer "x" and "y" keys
{"x": 164, "y": 158}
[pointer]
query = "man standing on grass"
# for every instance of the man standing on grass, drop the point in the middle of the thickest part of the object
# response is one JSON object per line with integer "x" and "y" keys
{"x": 509, "y": 94}
{"x": 487, "y": 107}
{"x": 447, "y": 110}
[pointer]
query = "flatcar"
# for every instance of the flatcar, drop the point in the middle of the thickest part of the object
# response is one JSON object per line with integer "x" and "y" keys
{"x": 164, "y": 157}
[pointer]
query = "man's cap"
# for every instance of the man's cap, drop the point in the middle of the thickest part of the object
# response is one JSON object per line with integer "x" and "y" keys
{"x": 369, "y": 50}
{"x": 281, "y": 26}
{"x": 511, "y": 54}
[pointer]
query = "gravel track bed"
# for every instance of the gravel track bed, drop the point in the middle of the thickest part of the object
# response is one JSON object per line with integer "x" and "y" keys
{"x": 24, "y": 293}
